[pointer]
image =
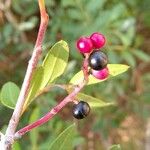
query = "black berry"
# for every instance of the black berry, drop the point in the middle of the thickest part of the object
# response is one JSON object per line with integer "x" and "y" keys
{"x": 98, "y": 60}
{"x": 81, "y": 110}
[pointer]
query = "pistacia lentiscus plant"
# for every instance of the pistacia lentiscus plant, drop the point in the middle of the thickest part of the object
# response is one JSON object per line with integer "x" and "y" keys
{"x": 42, "y": 78}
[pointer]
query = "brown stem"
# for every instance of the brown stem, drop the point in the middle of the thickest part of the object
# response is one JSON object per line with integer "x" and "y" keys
{"x": 28, "y": 76}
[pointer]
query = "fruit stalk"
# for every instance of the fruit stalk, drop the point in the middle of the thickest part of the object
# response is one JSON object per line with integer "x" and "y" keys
{"x": 58, "y": 107}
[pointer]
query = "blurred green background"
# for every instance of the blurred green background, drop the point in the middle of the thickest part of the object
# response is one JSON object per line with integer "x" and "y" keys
{"x": 126, "y": 25}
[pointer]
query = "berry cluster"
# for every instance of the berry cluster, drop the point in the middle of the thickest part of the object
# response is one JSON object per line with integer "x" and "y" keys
{"x": 97, "y": 59}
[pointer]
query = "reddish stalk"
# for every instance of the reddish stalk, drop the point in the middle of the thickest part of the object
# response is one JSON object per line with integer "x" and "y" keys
{"x": 50, "y": 114}
{"x": 13, "y": 123}
{"x": 58, "y": 107}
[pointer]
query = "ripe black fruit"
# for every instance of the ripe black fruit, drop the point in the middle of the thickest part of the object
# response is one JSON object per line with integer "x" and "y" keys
{"x": 81, "y": 110}
{"x": 98, "y": 60}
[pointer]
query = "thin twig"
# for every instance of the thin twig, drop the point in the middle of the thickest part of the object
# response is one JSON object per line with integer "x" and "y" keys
{"x": 52, "y": 113}
{"x": 57, "y": 108}
{"x": 13, "y": 123}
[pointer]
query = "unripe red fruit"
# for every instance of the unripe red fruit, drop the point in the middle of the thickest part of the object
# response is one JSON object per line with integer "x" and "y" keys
{"x": 81, "y": 110}
{"x": 84, "y": 44}
{"x": 98, "y": 40}
{"x": 101, "y": 74}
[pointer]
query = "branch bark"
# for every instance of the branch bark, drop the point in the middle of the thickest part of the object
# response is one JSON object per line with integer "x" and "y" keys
{"x": 8, "y": 139}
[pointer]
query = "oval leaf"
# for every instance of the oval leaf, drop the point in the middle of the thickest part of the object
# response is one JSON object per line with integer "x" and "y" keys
{"x": 9, "y": 94}
{"x": 65, "y": 140}
{"x": 92, "y": 101}
{"x": 55, "y": 62}
{"x": 114, "y": 70}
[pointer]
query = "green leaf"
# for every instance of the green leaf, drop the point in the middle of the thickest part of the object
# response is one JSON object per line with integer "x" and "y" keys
{"x": 34, "y": 133}
{"x": 114, "y": 70}
{"x": 35, "y": 85}
{"x": 9, "y": 94}
{"x": 55, "y": 62}
{"x": 92, "y": 101}
{"x": 65, "y": 140}
{"x": 115, "y": 147}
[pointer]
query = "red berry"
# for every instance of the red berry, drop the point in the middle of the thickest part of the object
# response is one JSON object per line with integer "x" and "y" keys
{"x": 101, "y": 74}
{"x": 98, "y": 40}
{"x": 84, "y": 44}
